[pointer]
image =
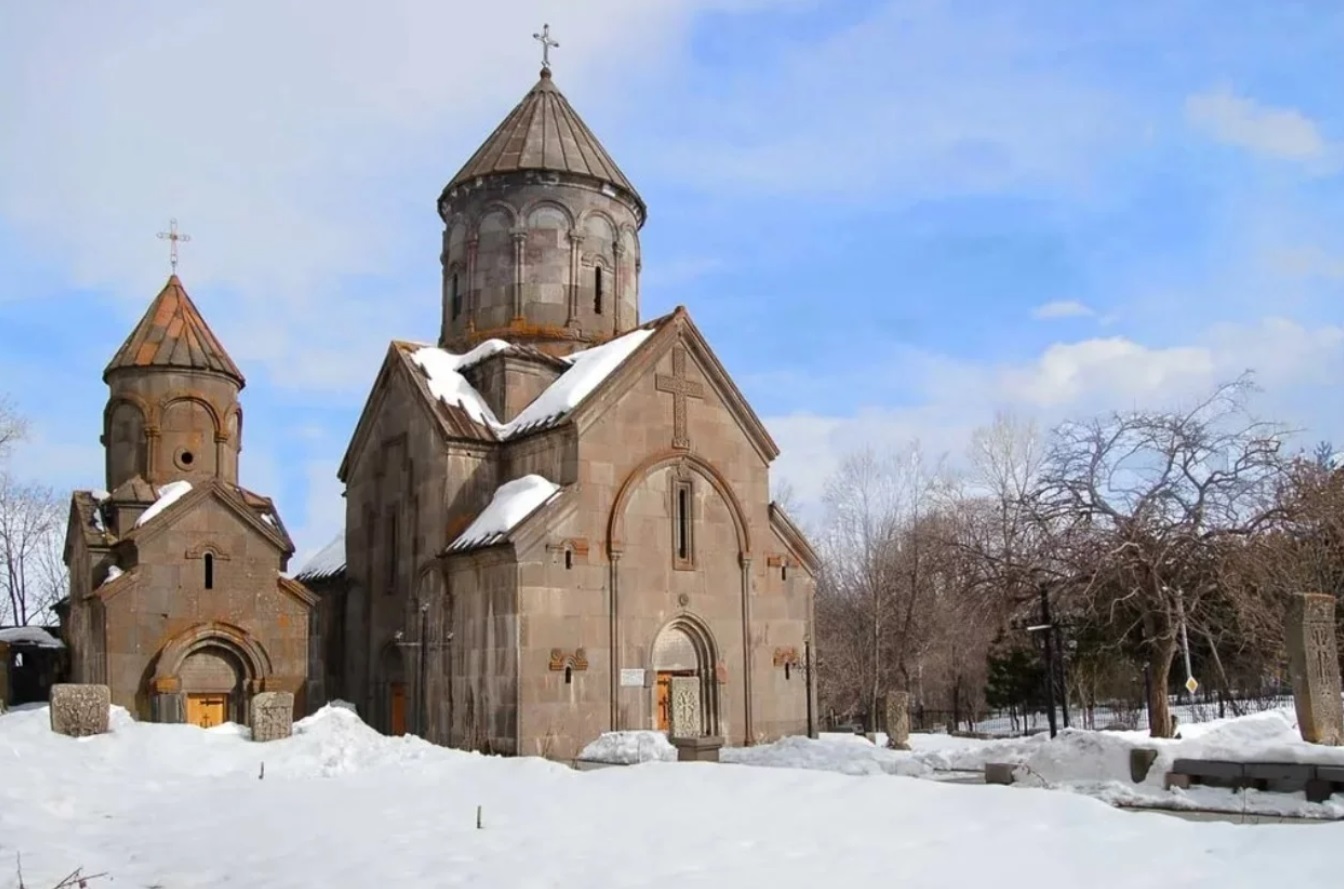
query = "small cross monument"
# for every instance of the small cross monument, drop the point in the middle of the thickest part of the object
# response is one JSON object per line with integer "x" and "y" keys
{"x": 172, "y": 236}
{"x": 546, "y": 43}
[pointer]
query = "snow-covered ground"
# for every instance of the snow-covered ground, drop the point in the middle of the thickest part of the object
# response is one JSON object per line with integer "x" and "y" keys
{"x": 1090, "y": 763}
{"x": 342, "y": 806}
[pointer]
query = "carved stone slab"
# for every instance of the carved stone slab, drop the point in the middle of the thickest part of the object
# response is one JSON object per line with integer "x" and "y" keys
{"x": 271, "y": 714}
{"x": 1313, "y": 659}
{"x": 898, "y": 720}
{"x": 685, "y": 711}
{"x": 80, "y": 710}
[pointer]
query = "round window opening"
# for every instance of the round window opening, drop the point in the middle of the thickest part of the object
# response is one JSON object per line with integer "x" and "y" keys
{"x": 185, "y": 459}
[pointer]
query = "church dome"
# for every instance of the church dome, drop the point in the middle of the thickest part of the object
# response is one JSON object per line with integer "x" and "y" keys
{"x": 543, "y": 133}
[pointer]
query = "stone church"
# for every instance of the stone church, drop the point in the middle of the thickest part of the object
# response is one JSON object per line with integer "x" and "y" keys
{"x": 558, "y": 519}
{"x": 178, "y": 600}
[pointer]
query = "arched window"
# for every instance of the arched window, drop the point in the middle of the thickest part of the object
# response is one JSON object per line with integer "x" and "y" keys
{"x": 456, "y": 296}
{"x": 209, "y": 571}
{"x": 597, "y": 289}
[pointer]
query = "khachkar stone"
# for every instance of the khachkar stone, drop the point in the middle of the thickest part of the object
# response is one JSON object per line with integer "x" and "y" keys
{"x": 80, "y": 710}
{"x": 272, "y": 715}
{"x": 1313, "y": 659}
{"x": 685, "y": 710}
{"x": 898, "y": 720}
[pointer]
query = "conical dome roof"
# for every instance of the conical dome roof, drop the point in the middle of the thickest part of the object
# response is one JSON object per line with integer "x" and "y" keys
{"x": 544, "y": 132}
{"x": 173, "y": 335}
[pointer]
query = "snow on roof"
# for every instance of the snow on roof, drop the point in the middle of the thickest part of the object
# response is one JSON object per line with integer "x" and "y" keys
{"x": 587, "y": 370}
{"x": 329, "y": 561}
{"x": 1337, "y": 461}
{"x": 513, "y": 502}
{"x": 168, "y": 495}
{"x": 29, "y": 636}
{"x": 443, "y": 369}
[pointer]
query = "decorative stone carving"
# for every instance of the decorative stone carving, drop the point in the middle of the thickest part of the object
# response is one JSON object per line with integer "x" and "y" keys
{"x": 1313, "y": 658}
{"x": 898, "y": 720}
{"x": 685, "y": 711}
{"x": 786, "y": 656}
{"x": 80, "y": 710}
{"x": 271, "y": 714}
{"x": 681, "y": 389}
{"x": 561, "y": 659}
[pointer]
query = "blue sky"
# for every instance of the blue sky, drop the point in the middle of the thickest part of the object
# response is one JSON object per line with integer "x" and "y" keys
{"x": 890, "y": 218}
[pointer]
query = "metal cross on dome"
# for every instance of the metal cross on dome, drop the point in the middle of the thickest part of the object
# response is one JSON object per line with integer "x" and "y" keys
{"x": 172, "y": 236}
{"x": 546, "y": 44}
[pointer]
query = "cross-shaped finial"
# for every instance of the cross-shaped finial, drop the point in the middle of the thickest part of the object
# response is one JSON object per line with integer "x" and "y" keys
{"x": 546, "y": 44}
{"x": 172, "y": 236}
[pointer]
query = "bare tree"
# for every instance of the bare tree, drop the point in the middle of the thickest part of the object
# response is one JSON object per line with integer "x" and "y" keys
{"x": 32, "y": 572}
{"x": 1140, "y": 503}
{"x": 872, "y": 587}
{"x": 12, "y": 426}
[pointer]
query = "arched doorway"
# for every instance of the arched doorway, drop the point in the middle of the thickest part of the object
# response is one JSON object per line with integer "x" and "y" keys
{"x": 204, "y": 676}
{"x": 212, "y": 687}
{"x": 392, "y": 679}
{"x": 686, "y": 694}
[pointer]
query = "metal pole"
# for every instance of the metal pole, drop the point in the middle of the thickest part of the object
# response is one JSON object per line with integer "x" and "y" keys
{"x": 807, "y": 659}
{"x": 424, "y": 671}
{"x": 1049, "y": 661}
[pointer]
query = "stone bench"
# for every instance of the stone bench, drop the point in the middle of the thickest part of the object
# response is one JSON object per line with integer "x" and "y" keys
{"x": 1317, "y": 781}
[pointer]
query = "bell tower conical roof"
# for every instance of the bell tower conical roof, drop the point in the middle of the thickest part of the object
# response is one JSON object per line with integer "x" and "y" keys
{"x": 543, "y": 132}
{"x": 173, "y": 335}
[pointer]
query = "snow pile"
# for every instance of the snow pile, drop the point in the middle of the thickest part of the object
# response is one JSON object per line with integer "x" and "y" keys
{"x": 29, "y": 636}
{"x": 1097, "y": 764}
{"x": 588, "y": 368}
{"x": 829, "y": 755}
{"x": 168, "y": 495}
{"x": 400, "y": 812}
{"x": 513, "y": 502}
{"x": 329, "y": 561}
{"x": 629, "y": 748}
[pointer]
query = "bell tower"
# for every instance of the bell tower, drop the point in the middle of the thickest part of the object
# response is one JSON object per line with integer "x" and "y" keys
{"x": 172, "y": 408}
{"x": 541, "y": 233}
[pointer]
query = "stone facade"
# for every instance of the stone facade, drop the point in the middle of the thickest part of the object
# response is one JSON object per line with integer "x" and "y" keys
{"x": 660, "y": 558}
{"x": 1313, "y": 657}
{"x": 177, "y": 600}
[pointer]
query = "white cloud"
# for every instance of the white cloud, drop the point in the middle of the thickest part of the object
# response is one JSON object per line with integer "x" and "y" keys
{"x": 1283, "y": 133}
{"x": 302, "y": 152}
{"x": 1064, "y": 308}
{"x": 1298, "y": 367}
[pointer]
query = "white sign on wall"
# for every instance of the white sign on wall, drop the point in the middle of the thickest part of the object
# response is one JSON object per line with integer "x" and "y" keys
{"x": 632, "y": 678}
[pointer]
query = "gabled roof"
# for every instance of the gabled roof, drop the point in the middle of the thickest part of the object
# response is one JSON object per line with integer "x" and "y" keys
{"x": 255, "y": 510}
{"x": 792, "y": 537}
{"x": 172, "y": 334}
{"x": 670, "y": 329}
{"x": 511, "y": 505}
{"x": 544, "y": 132}
{"x": 329, "y": 562}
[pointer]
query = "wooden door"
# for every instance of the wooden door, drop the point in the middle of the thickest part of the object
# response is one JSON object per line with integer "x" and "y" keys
{"x": 207, "y": 711}
{"x": 663, "y": 705}
{"x": 396, "y": 708}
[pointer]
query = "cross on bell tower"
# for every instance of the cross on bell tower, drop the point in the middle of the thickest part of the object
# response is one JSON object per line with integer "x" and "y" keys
{"x": 546, "y": 43}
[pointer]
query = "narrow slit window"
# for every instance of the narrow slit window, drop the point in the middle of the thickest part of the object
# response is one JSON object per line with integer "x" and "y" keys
{"x": 456, "y": 297}
{"x": 597, "y": 290}
{"x": 392, "y": 553}
{"x": 783, "y": 572}
{"x": 569, "y": 675}
{"x": 569, "y": 559}
{"x": 209, "y": 571}
{"x": 683, "y": 526}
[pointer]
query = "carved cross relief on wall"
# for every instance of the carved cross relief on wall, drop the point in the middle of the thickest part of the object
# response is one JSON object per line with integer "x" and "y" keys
{"x": 681, "y": 389}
